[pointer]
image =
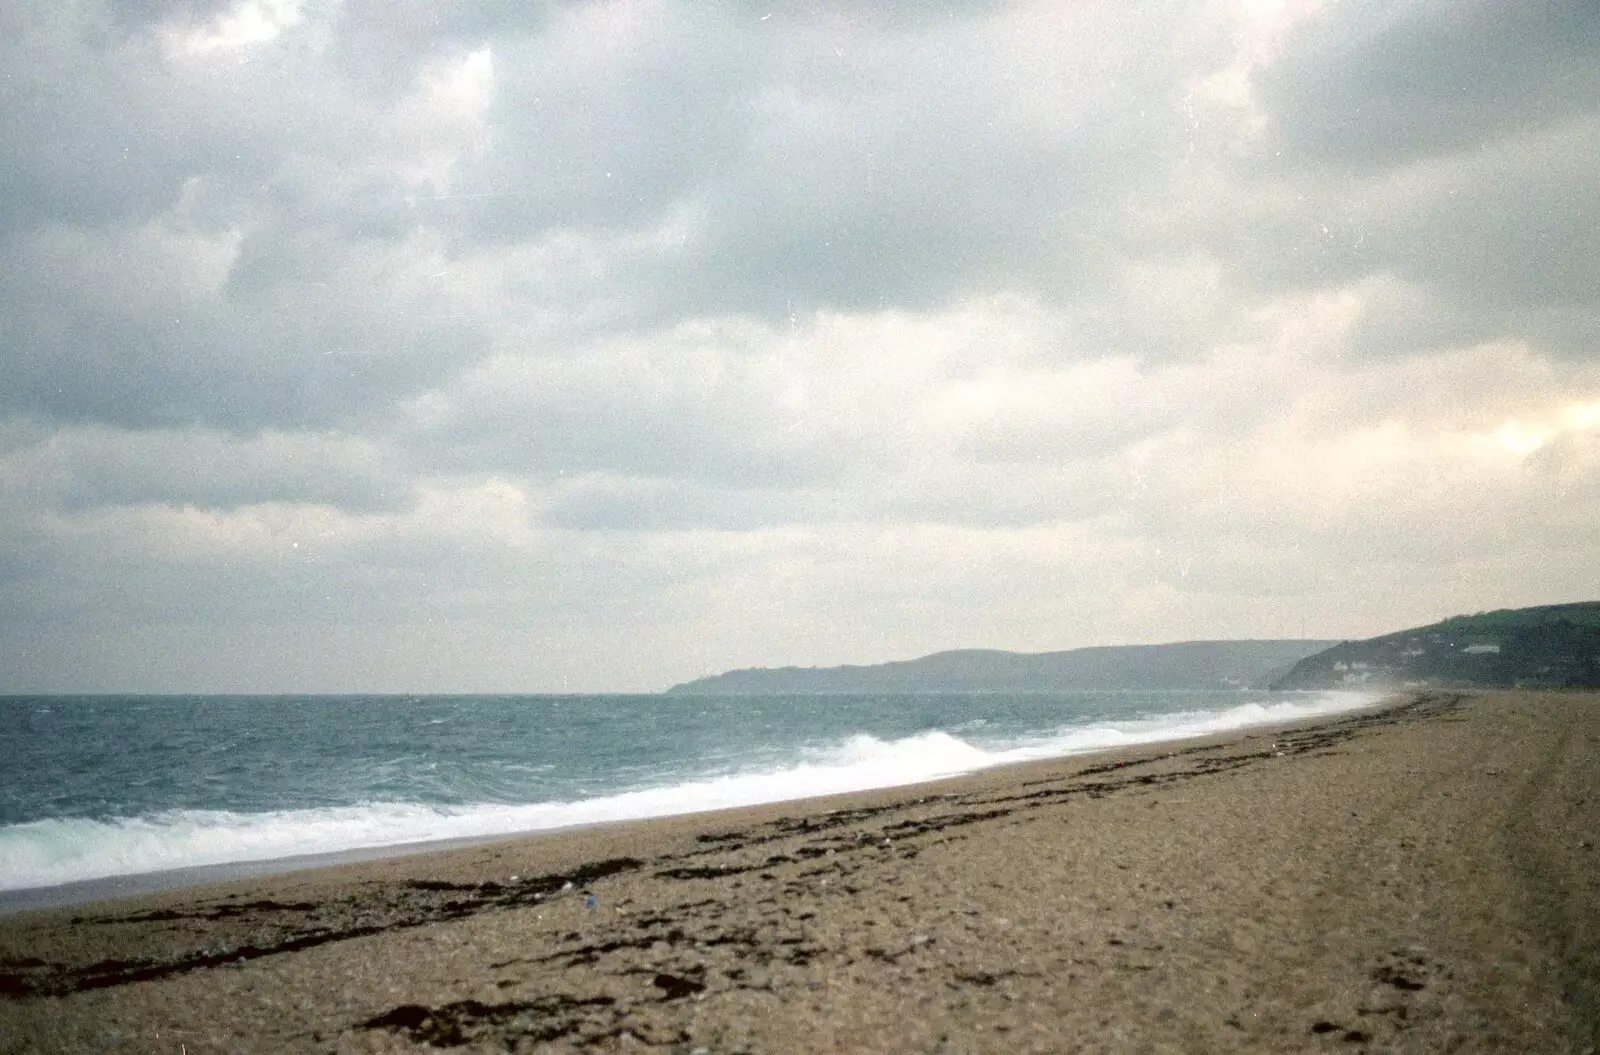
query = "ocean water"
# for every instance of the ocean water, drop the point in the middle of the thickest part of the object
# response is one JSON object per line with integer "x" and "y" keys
{"x": 99, "y": 786}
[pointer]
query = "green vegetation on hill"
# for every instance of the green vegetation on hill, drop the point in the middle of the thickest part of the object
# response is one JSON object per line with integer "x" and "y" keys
{"x": 1551, "y": 646}
{"x": 1581, "y": 614}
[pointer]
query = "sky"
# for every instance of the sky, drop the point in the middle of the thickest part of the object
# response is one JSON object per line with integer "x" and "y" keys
{"x": 418, "y": 346}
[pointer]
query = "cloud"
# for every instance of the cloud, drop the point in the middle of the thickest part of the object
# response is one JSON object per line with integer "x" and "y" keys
{"x": 438, "y": 346}
{"x": 1373, "y": 85}
{"x": 94, "y": 466}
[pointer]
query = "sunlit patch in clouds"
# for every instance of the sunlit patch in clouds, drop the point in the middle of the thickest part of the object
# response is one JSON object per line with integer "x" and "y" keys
{"x": 1525, "y": 437}
{"x": 246, "y": 24}
{"x": 1255, "y": 30}
{"x": 446, "y": 118}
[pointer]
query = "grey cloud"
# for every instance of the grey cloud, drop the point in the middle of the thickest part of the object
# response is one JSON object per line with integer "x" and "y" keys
{"x": 818, "y": 169}
{"x": 638, "y": 422}
{"x": 318, "y": 357}
{"x": 1376, "y": 84}
{"x": 1522, "y": 233}
{"x": 1446, "y": 147}
{"x": 107, "y": 130}
{"x": 603, "y": 503}
{"x": 910, "y": 190}
{"x": 141, "y": 14}
{"x": 77, "y": 148}
{"x": 986, "y": 499}
{"x": 594, "y": 135}
{"x": 82, "y": 469}
{"x": 104, "y": 573}
{"x": 1499, "y": 242}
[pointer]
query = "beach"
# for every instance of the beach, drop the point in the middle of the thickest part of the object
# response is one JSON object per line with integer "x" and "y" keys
{"x": 1423, "y": 876}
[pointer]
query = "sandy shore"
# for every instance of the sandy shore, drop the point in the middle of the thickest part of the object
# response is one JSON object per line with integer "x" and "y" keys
{"x": 1421, "y": 878}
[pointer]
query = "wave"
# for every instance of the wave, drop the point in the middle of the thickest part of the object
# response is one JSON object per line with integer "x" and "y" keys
{"x": 51, "y": 852}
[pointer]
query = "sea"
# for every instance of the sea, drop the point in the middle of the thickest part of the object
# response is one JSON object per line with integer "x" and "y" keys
{"x": 103, "y": 794}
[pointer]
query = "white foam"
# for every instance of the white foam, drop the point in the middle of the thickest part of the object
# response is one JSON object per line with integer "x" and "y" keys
{"x": 1183, "y": 725}
{"x": 50, "y": 852}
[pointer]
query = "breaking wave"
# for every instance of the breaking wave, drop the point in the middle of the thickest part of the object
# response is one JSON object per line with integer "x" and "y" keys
{"x": 45, "y": 853}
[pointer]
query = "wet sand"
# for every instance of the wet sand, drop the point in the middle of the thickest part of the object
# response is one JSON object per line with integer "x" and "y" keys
{"x": 1424, "y": 877}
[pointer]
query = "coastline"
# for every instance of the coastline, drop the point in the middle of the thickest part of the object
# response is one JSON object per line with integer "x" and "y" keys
{"x": 204, "y": 873}
{"x": 1340, "y": 883}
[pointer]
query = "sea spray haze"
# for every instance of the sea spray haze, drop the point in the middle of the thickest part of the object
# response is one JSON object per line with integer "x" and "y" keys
{"x": 126, "y": 785}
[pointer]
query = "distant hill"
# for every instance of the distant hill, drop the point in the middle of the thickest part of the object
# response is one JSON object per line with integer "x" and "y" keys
{"x": 1555, "y": 646}
{"x": 1185, "y": 665}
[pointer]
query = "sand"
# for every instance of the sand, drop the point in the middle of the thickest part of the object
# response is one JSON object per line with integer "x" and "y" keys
{"x": 1424, "y": 877}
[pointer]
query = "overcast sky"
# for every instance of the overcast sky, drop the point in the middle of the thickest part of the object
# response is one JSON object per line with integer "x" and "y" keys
{"x": 406, "y": 345}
